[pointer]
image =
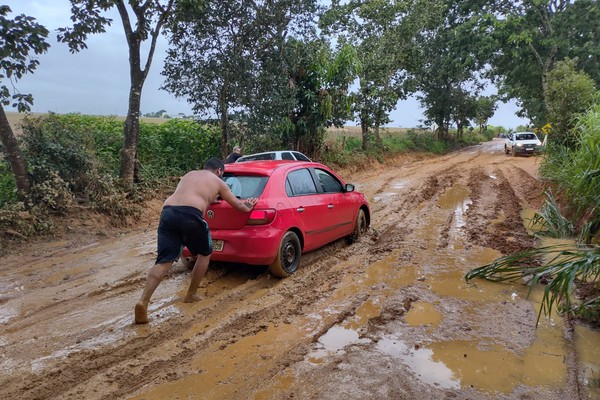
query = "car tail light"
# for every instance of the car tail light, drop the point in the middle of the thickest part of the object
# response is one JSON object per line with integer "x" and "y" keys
{"x": 261, "y": 217}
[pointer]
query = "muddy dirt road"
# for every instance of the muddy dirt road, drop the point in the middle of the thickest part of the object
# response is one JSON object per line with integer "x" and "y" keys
{"x": 390, "y": 317}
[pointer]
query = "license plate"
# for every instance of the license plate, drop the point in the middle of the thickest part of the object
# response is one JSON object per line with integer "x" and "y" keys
{"x": 217, "y": 245}
{"x": 529, "y": 149}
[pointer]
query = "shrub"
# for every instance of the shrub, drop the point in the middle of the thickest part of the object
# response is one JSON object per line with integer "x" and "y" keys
{"x": 569, "y": 92}
{"x": 575, "y": 172}
{"x": 175, "y": 147}
{"x": 8, "y": 189}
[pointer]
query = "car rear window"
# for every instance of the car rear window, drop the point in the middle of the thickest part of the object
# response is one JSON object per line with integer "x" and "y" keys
{"x": 300, "y": 156}
{"x": 244, "y": 186}
{"x": 287, "y": 156}
{"x": 526, "y": 136}
{"x": 258, "y": 157}
{"x": 300, "y": 182}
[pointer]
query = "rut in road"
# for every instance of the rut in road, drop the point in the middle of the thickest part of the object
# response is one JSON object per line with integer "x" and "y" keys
{"x": 241, "y": 303}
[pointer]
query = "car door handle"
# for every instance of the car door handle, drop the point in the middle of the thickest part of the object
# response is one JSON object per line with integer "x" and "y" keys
{"x": 330, "y": 206}
{"x": 300, "y": 209}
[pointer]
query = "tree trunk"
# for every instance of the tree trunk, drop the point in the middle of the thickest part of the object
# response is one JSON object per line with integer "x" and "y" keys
{"x": 132, "y": 133}
{"x": 14, "y": 156}
{"x": 459, "y": 130}
{"x": 364, "y": 128}
{"x": 129, "y": 162}
{"x": 224, "y": 124}
{"x": 224, "y": 120}
{"x": 378, "y": 141}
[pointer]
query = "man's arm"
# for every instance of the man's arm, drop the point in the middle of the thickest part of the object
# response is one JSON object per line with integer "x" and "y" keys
{"x": 244, "y": 206}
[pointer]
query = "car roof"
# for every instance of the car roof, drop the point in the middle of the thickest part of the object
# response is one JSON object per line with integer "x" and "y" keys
{"x": 280, "y": 152}
{"x": 263, "y": 167}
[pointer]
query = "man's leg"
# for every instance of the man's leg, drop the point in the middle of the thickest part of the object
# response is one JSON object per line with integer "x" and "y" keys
{"x": 199, "y": 270}
{"x": 155, "y": 276}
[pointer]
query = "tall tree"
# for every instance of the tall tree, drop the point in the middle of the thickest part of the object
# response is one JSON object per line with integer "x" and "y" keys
{"x": 448, "y": 72}
{"x": 320, "y": 79}
{"x": 382, "y": 32}
{"x": 463, "y": 109}
{"x": 531, "y": 37}
{"x": 485, "y": 107}
{"x": 20, "y": 37}
{"x": 220, "y": 50}
{"x": 149, "y": 18}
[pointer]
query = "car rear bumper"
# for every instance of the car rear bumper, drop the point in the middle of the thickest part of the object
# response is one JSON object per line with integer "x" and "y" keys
{"x": 250, "y": 245}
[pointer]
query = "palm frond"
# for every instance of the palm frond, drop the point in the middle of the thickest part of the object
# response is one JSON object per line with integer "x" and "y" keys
{"x": 563, "y": 267}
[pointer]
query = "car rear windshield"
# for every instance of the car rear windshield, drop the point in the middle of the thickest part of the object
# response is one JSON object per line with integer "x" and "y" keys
{"x": 244, "y": 186}
{"x": 526, "y": 136}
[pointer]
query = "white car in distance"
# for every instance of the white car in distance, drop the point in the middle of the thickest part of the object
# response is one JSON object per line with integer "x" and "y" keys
{"x": 275, "y": 155}
{"x": 522, "y": 143}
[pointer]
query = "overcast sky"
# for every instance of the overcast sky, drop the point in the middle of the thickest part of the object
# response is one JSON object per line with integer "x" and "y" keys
{"x": 96, "y": 80}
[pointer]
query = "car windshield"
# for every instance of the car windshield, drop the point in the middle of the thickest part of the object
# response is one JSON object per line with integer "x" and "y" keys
{"x": 244, "y": 186}
{"x": 526, "y": 136}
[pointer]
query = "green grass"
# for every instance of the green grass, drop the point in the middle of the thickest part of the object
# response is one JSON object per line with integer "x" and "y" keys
{"x": 575, "y": 173}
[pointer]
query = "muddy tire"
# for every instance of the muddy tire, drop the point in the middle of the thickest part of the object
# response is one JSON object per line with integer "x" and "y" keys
{"x": 288, "y": 256}
{"x": 188, "y": 262}
{"x": 506, "y": 150}
{"x": 360, "y": 227}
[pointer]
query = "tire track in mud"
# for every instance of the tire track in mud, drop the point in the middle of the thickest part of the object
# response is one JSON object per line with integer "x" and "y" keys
{"x": 89, "y": 363}
{"x": 495, "y": 200}
{"x": 314, "y": 274}
{"x": 349, "y": 367}
{"x": 392, "y": 234}
{"x": 239, "y": 304}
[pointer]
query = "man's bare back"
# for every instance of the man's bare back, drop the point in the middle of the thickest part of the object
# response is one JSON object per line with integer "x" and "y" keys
{"x": 199, "y": 188}
{"x": 196, "y": 189}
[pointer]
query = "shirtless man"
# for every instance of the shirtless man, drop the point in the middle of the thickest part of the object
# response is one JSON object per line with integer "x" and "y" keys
{"x": 182, "y": 223}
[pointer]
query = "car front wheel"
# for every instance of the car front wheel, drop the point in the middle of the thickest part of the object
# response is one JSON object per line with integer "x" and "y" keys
{"x": 506, "y": 149}
{"x": 360, "y": 227}
{"x": 288, "y": 256}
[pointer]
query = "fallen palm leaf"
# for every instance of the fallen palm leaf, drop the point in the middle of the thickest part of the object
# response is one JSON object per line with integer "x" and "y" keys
{"x": 564, "y": 268}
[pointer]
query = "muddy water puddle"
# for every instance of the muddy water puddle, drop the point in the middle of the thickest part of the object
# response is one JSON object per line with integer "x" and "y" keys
{"x": 481, "y": 362}
{"x": 391, "y": 190}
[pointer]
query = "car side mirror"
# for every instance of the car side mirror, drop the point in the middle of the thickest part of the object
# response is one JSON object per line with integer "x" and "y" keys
{"x": 349, "y": 187}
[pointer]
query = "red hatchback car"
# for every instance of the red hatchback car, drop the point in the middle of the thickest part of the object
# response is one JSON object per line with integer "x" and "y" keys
{"x": 302, "y": 206}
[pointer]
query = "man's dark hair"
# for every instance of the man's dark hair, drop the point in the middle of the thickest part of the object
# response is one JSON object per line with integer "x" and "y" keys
{"x": 214, "y": 163}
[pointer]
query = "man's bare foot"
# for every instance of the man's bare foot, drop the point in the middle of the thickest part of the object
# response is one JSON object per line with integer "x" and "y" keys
{"x": 141, "y": 315}
{"x": 191, "y": 298}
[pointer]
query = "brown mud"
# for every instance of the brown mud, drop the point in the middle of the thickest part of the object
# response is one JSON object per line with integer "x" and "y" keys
{"x": 389, "y": 317}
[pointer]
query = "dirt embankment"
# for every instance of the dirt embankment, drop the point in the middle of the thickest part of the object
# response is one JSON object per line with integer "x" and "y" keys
{"x": 389, "y": 317}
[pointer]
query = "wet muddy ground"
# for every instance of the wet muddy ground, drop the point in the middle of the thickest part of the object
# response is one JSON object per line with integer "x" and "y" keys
{"x": 390, "y": 317}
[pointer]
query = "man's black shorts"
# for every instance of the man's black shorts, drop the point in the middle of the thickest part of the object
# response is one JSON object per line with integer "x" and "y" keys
{"x": 182, "y": 226}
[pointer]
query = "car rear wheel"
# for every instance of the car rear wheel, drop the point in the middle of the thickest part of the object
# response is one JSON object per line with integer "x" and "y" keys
{"x": 288, "y": 256}
{"x": 360, "y": 227}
